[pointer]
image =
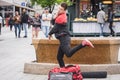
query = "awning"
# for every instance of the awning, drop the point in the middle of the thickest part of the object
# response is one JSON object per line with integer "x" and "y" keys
{"x": 24, "y": 7}
{"x": 4, "y": 3}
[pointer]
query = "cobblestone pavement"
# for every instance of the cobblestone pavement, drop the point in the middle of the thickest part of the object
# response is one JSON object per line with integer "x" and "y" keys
{"x": 14, "y": 52}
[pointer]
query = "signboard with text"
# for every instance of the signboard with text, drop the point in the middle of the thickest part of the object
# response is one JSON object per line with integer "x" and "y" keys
{"x": 19, "y": 1}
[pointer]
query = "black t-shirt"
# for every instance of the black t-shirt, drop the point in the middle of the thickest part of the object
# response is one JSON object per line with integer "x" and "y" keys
{"x": 24, "y": 18}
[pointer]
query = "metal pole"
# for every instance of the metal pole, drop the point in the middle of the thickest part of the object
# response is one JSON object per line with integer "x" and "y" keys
{"x": 13, "y": 10}
{"x": 77, "y": 8}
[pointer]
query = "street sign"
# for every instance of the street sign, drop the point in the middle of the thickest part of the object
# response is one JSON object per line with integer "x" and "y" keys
{"x": 23, "y": 4}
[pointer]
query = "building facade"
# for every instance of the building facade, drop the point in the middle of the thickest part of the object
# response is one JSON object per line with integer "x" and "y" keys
{"x": 8, "y": 7}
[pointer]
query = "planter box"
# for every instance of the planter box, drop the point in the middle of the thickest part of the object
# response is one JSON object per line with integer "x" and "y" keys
{"x": 105, "y": 52}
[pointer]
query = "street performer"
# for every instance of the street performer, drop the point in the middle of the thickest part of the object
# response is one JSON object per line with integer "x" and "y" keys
{"x": 62, "y": 34}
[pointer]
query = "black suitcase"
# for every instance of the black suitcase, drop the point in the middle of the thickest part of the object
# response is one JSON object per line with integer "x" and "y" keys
{"x": 60, "y": 76}
{"x": 96, "y": 74}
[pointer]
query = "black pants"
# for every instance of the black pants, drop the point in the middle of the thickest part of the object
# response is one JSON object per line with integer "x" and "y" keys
{"x": 0, "y": 28}
{"x": 11, "y": 27}
{"x": 64, "y": 48}
{"x": 111, "y": 29}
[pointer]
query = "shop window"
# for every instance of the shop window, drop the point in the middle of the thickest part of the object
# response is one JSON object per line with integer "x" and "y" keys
{"x": 117, "y": 10}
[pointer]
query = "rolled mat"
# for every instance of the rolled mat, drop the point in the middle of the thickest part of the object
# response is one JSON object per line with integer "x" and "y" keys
{"x": 96, "y": 74}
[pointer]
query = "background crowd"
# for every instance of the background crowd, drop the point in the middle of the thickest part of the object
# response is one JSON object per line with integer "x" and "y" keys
{"x": 25, "y": 21}
{"x": 45, "y": 22}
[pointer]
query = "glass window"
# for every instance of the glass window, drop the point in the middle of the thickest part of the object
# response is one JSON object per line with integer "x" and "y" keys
{"x": 117, "y": 10}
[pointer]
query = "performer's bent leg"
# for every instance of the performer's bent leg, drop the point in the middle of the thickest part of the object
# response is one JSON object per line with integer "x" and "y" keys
{"x": 65, "y": 48}
{"x": 70, "y": 51}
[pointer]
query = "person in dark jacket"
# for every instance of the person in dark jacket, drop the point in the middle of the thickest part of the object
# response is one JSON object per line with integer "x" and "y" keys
{"x": 62, "y": 34}
{"x": 11, "y": 22}
{"x": 24, "y": 20}
{"x": 110, "y": 20}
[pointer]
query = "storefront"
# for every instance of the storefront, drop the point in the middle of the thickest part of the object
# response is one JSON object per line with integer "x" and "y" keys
{"x": 85, "y": 21}
{"x": 91, "y": 7}
{"x": 117, "y": 8}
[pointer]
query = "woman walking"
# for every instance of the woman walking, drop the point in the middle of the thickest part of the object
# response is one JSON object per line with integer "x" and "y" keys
{"x": 35, "y": 26}
{"x": 17, "y": 21}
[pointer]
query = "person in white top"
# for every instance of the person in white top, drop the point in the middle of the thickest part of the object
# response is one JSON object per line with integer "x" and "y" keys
{"x": 46, "y": 22}
{"x": 101, "y": 20}
{"x": 0, "y": 24}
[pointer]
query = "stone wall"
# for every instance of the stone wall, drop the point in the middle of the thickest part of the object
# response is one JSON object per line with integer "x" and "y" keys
{"x": 105, "y": 51}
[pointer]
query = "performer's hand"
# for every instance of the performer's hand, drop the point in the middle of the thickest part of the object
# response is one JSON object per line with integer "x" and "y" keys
{"x": 56, "y": 15}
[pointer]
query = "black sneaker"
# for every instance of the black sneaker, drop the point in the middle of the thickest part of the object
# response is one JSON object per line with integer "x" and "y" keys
{"x": 31, "y": 44}
{"x": 25, "y": 37}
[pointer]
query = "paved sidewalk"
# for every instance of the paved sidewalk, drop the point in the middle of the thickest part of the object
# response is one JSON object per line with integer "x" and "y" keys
{"x": 14, "y": 52}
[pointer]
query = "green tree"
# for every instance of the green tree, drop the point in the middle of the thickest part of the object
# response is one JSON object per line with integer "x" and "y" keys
{"x": 49, "y": 3}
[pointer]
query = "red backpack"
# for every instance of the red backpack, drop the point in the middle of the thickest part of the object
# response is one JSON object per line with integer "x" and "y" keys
{"x": 74, "y": 69}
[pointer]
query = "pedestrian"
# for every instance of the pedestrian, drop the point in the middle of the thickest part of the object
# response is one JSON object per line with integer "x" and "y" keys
{"x": 46, "y": 22}
{"x": 6, "y": 20}
{"x": 62, "y": 34}
{"x": 41, "y": 19}
{"x": 29, "y": 24}
{"x": 0, "y": 24}
{"x": 35, "y": 26}
{"x": 101, "y": 20}
{"x": 17, "y": 22}
{"x": 24, "y": 21}
{"x": 11, "y": 22}
{"x": 110, "y": 20}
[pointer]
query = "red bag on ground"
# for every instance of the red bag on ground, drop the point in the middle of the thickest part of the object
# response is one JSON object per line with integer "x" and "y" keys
{"x": 74, "y": 69}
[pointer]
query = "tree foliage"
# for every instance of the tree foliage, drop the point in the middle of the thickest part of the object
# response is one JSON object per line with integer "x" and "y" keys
{"x": 49, "y": 3}
{"x": 45, "y": 3}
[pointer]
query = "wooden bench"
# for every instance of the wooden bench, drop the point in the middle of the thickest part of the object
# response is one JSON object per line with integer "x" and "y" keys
{"x": 105, "y": 52}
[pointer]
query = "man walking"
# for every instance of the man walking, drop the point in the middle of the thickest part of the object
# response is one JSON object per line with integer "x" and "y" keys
{"x": 110, "y": 20}
{"x": 24, "y": 19}
{"x": 46, "y": 22}
{"x": 101, "y": 20}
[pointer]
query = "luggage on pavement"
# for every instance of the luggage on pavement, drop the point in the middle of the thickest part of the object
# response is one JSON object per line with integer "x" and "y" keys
{"x": 60, "y": 76}
{"x": 70, "y": 72}
{"x": 95, "y": 74}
